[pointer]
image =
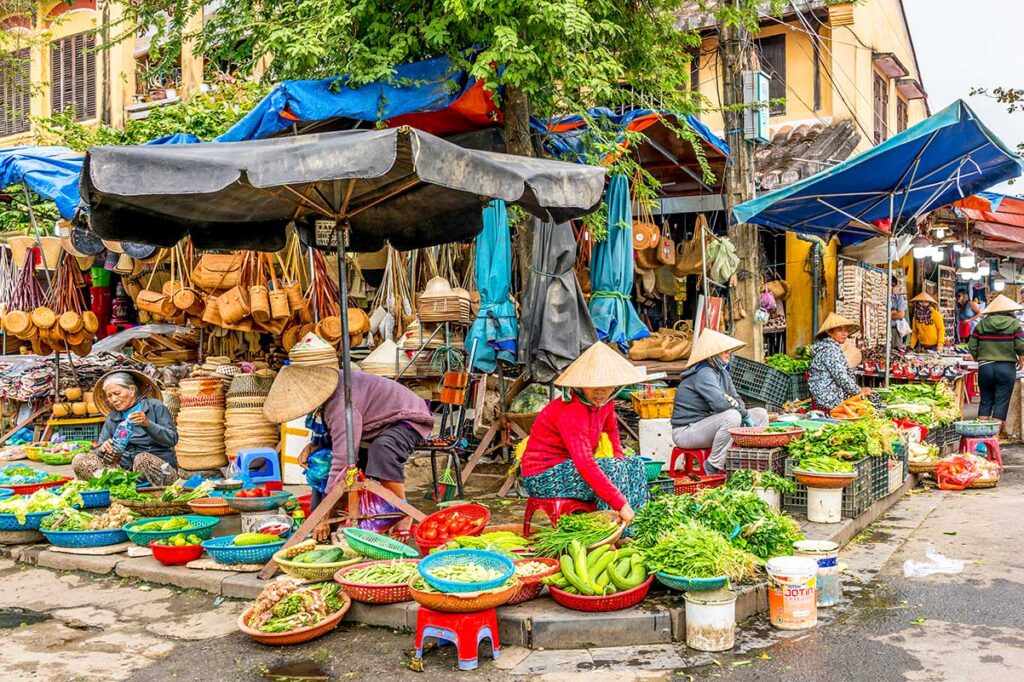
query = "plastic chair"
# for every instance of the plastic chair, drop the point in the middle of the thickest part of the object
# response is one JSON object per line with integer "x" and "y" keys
{"x": 694, "y": 462}
{"x": 268, "y": 472}
{"x": 553, "y": 508}
{"x": 467, "y": 630}
{"x": 987, "y": 447}
{"x": 449, "y": 440}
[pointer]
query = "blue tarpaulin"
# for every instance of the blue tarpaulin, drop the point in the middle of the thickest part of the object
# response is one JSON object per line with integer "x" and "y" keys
{"x": 418, "y": 87}
{"x": 944, "y": 158}
{"x": 562, "y": 135}
{"x": 50, "y": 172}
{"x": 611, "y": 273}
{"x": 495, "y": 329}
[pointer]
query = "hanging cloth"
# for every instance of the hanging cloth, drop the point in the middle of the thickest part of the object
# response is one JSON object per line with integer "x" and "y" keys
{"x": 495, "y": 328}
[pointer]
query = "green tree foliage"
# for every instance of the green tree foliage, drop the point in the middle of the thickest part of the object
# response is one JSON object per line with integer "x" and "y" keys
{"x": 206, "y": 116}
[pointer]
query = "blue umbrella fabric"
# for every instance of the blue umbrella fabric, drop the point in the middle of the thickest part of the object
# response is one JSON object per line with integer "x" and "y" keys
{"x": 611, "y": 273}
{"x": 495, "y": 329}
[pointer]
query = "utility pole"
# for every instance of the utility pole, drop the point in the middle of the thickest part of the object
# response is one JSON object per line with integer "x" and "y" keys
{"x": 735, "y": 51}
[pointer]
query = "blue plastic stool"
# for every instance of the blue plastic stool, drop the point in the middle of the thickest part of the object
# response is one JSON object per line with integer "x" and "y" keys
{"x": 466, "y": 630}
{"x": 269, "y": 472}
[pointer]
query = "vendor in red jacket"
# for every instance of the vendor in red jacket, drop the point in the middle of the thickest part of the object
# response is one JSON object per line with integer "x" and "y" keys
{"x": 559, "y": 457}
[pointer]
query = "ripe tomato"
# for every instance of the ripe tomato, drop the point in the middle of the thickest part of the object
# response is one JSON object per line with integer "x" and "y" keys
{"x": 429, "y": 534}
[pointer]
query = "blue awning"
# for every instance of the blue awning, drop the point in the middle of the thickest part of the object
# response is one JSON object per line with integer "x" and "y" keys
{"x": 50, "y": 172}
{"x": 944, "y": 158}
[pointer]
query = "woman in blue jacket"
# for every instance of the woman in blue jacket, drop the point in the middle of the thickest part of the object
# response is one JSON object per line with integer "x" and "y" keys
{"x": 707, "y": 404}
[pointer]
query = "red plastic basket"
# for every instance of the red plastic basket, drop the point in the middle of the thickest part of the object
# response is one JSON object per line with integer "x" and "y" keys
{"x": 526, "y": 592}
{"x": 685, "y": 486}
{"x": 472, "y": 511}
{"x": 374, "y": 594}
{"x": 30, "y": 488}
{"x": 610, "y": 602}
{"x": 175, "y": 556}
{"x": 553, "y": 567}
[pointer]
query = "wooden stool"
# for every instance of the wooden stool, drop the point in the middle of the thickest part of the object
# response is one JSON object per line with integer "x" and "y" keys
{"x": 466, "y": 630}
{"x": 553, "y": 508}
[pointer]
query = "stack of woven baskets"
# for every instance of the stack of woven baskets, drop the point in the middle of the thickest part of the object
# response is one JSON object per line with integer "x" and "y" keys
{"x": 439, "y": 302}
{"x": 245, "y": 426}
{"x": 201, "y": 424}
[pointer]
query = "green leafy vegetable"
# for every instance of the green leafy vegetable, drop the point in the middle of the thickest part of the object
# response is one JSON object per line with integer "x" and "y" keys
{"x": 747, "y": 479}
{"x": 784, "y": 363}
{"x": 823, "y": 464}
{"x": 587, "y": 528}
{"x": 695, "y": 551}
{"x": 661, "y": 516}
{"x": 748, "y": 521}
{"x": 870, "y": 437}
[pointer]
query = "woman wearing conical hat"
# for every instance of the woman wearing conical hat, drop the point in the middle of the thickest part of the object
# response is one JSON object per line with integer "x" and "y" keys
{"x": 830, "y": 377}
{"x": 707, "y": 404}
{"x": 559, "y": 457}
{"x": 928, "y": 329}
{"x": 997, "y": 343}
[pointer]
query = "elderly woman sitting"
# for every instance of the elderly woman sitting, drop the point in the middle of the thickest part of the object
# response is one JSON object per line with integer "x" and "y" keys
{"x": 830, "y": 378}
{"x": 139, "y": 433}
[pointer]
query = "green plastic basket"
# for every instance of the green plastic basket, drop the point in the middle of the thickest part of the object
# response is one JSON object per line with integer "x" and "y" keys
{"x": 652, "y": 468}
{"x": 377, "y": 546}
{"x": 676, "y": 582}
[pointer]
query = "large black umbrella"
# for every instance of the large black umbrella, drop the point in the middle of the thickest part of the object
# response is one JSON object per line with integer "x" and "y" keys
{"x": 556, "y": 325}
{"x": 398, "y": 185}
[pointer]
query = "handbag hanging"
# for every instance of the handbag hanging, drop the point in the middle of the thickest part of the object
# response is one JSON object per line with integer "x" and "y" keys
{"x": 690, "y": 254}
{"x": 216, "y": 271}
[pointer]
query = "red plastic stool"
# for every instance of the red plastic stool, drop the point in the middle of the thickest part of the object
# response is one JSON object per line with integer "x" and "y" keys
{"x": 694, "y": 463}
{"x": 991, "y": 443}
{"x": 467, "y": 630}
{"x": 553, "y": 508}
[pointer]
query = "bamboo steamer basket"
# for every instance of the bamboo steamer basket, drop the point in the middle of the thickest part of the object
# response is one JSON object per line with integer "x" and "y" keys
{"x": 43, "y": 317}
{"x": 79, "y": 408}
{"x": 61, "y": 410}
{"x": 73, "y": 393}
{"x": 90, "y": 322}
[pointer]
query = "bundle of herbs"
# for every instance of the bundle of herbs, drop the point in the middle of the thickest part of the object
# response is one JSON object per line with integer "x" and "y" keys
{"x": 586, "y": 528}
{"x": 661, "y": 516}
{"x": 749, "y": 522}
{"x": 847, "y": 441}
{"x": 692, "y": 550}
{"x": 748, "y": 479}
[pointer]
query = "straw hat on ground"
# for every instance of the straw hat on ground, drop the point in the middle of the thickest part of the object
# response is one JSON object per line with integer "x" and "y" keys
{"x": 836, "y": 321}
{"x": 712, "y": 343}
{"x": 305, "y": 383}
{"x": 148, "y": 388}
{"x": 600, "y": 367}
{"x": 1001, "y": 304}
{"x": 924, "y": 298}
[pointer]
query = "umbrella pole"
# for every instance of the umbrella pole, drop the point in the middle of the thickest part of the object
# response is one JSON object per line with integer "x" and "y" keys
{"x": 39, "y": 236}
{"x": 312, "y": 269}
{"x": 888, "y": 297}
{"x": 346, "y": 351}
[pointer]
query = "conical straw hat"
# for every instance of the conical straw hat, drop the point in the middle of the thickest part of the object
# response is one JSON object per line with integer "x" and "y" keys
{"x": 924, "y": 298}
{"x": 148, "y": 388}
{"x": 600, "y": 367}
{"x": 306, "y": 383}
{"x": 836, "y": 321}
{"x": 384, "y": 354}
{"x": 712, "y": 343}
{"x": 1001, "y": 304}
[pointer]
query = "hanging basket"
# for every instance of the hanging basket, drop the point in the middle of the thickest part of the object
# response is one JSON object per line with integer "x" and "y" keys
{"x": 43, "y": 317}
{"x": 234, "y": 305}
{"x": 259, "y": 303}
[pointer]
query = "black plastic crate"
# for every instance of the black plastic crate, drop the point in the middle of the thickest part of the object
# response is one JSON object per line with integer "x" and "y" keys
{"x": 758, "y": 381}
{"x": 879, "y": 477}
{"x": 663, "y": 485}
{"x": 798, "y": 388}
{"x": 856, "y": 496}
{"x": 758, "y": 459}
{"x": 942, "y": 436}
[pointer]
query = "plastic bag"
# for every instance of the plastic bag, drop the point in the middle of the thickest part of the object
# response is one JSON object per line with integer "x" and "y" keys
{"x": 371, "y": 504}
{"x": 956, "y": 473}
{"x": 936, "y": 563}
{"x": 319, "y": 469}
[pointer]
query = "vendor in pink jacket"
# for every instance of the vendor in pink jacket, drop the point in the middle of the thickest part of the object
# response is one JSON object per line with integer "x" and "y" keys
{"x": 386, "y": 416}
{"x": 559, "y": 457}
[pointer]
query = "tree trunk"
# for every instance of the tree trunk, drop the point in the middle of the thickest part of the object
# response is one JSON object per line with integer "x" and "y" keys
{"x": 734, "y": 47}
{"x": 516, "y": 108}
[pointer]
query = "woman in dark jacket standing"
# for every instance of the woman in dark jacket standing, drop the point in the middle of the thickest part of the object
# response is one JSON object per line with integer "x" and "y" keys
{"x": 998, "y": 346}
{"x": 707, "y": 404}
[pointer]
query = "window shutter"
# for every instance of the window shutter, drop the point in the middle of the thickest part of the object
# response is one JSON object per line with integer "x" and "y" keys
{"x": 14, "y": 93}
{"x": 73, "y": 75}
{"x": 881, "y": 102}
{"x": 773, "y": 62}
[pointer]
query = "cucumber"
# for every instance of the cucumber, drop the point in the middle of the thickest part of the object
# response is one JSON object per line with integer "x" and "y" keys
{"x": 594, "y": 556}
{"x": 569, "y": 573}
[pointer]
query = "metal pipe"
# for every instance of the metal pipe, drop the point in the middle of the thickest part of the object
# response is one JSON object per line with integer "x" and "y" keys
{"x": 346, "y": 350}
{"x": 888, "y": 293}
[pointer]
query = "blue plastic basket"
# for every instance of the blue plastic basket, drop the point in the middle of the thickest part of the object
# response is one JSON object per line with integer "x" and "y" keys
{"x": 32, "y": 521}
{"x": 451, "y": 557}
{"x": 202, "y": 526}
{"x": 222, "y": 551}
{"x": 85, "y": 538}
{"x": 96, "y": 498}
{"x": 977, "y": 429}
{"x": 676, "y": 582}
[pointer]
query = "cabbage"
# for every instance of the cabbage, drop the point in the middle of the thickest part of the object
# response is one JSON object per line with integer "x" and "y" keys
{"x": 40, "y": 500}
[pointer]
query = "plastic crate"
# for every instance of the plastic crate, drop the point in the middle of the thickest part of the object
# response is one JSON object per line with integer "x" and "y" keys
{"x": 879, "y": 477}
{"x": 759, "y": 381}
{"x": 856, "y": 496}
{"x": 663, "y": 485}
{"x": 758, "y": 459}
{"x": 77, "y": 429}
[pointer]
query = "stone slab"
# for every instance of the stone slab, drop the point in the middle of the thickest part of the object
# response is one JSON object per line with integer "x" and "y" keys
{"x": 151, "y": 570}
{"x": 27, "y": 554}
{"x": 119, "y": 548}
{"x": 401, "y": 616}
{"x": 553, "y": 627}
{"x": 242, "y": 586}
{"x": 96, "y": 563}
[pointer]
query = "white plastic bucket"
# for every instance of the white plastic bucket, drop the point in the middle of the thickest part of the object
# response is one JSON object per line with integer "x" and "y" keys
{"x": 826, "y": 553}
{"x": 772, "y": 497}
{"x": 792, "y": 599}
{"x": 710, "y": 620}
{"x": 824, "y": 505}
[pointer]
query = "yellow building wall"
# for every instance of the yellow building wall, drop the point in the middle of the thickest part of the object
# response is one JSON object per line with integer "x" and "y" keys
{"x": 799, "y": 307}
